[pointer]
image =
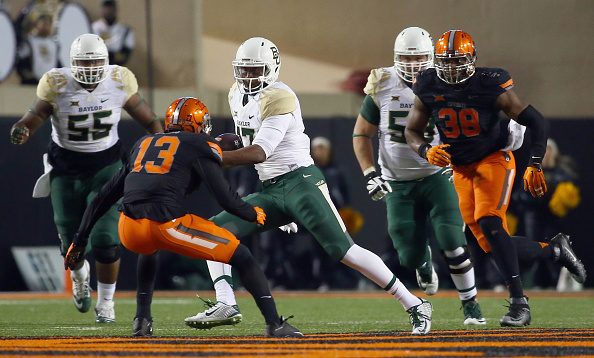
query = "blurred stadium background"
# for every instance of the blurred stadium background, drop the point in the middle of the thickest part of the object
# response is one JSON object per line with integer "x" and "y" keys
{"x": 185, "y": 48}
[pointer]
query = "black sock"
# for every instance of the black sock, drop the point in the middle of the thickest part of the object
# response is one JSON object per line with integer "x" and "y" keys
{"x": 528, "y": 250}
{"x": 254, "y": 280}
{"x": 504, "y": 253}
{"x": 146, "y": 272}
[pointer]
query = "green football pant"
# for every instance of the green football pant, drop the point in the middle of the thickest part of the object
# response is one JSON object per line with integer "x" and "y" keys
{"x": 71, "y": 196}
{"x": 410, "y": 204}
{"x": 301, "y": 196}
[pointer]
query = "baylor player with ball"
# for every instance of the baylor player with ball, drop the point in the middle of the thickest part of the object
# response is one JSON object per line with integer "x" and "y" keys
{"x": 267, "y": 116}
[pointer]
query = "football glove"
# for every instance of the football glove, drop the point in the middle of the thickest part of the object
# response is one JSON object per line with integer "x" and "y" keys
{"x": 449, "y": 172}
{"x": 260, "y": 216}
{"x": 75, "y": 254}
{"x": 438, "y": 156}
{"x": 534, "y": 179}
{"x": 290, "y": 228}
{"x": 18, "y": 135}
{"x": 376, "y": 186}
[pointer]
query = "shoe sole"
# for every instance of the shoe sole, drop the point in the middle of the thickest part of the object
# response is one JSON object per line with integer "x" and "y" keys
{"x": 514, "y": 324}
{"x": 210, "y": 324}
{"x": 475, "y": 322}
{"x": 85, "y": 307}
{"x": 104, "y": 320}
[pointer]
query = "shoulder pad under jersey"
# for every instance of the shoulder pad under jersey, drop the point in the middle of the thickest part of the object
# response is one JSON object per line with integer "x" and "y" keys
{"x": 276, "y": 101}
{"x": 377, "y": 81}
{"x": 490, "y": 77}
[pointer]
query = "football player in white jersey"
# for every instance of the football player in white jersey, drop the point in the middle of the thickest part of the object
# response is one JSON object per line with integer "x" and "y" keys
{"x": 414, "y": 189}
{"x": 84, "y": 103}
{"x": 267, "y": 116}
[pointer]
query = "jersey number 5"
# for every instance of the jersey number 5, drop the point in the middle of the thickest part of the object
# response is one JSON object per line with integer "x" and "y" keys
{"x": 164, "y": 157}
{"x": 465, "y": 122}
{"x": 397, "y": 130}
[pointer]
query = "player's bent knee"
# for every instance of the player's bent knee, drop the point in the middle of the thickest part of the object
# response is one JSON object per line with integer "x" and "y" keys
{"x": 410, "y": 259}
{"x": 490, "y": 225}
{"x": 107, "y": 254}
{"x": 241, "y": 255}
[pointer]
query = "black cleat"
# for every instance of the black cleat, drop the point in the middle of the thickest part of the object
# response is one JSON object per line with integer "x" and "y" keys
{"x": 564, "y": 254}
{"x": 142, "y": 327}
{"x": 283, "y": 330}
{"x": 519, "y": 313}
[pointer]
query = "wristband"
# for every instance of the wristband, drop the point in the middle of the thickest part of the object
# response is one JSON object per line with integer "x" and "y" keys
{"x": 368, "y": 171}
{"x": 423, "y": 150}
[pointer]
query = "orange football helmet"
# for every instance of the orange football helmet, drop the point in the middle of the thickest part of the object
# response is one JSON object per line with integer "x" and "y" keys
{"x": 455, "y": 57}
{"x": 187, "y": 114}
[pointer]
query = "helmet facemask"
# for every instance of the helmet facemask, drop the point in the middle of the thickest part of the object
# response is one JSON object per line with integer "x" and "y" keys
{"x": 89, "y": 71}
{"x": 408, "y": 65}
{"x": 250, "y": 77}
{"x": 454, "y": 69}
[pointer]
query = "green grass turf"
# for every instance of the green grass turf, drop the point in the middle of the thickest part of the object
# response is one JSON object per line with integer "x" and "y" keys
{"x": 59, "y": 317}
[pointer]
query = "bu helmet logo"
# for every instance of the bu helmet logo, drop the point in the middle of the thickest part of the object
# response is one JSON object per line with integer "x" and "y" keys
{"x": 275, "y": 55}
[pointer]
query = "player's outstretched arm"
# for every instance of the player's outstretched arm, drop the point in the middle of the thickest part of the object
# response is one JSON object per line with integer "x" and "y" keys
{"x": 510, "y": 104}
{"x": 31, "y": 121}
{"x": 252, "y": 154}
{"x": 142, "y": 113}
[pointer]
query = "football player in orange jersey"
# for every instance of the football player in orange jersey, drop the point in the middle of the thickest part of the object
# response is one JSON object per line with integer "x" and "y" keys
{"x": 163, "y": 168}
{"x": 465, "y": 101}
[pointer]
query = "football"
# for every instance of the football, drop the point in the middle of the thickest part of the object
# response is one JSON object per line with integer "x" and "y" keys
{"x": 229, "y": 141}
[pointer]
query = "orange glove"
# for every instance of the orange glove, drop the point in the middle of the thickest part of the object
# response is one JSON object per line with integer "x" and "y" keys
{"x": 438, "y": 156}
{"x": 76, "y": 253}
{"x": 534, "y": 180}
{"x": 260, "y": 216}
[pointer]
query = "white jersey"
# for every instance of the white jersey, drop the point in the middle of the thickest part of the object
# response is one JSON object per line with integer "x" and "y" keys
{"x": 84, "y": 121}
{"x": 272, "y": 119}
{"x": 394, "y": 100}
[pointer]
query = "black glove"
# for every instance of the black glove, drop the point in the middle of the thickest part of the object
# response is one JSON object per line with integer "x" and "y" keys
{"x": 376, "y": 186}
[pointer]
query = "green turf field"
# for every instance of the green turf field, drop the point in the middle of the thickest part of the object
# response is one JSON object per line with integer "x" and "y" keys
{"x": 314, "y": 313}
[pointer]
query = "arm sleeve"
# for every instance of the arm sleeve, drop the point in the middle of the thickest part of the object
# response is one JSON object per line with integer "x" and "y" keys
{"x": 105, "y": 199}
{"x": 212, "y": 176}
{"x": 539, "y": 128}
{"x": 272, "y": 131}
{"x": 370, "y": 111}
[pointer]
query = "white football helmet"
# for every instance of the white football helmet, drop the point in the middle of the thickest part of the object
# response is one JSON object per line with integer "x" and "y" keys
{"x": 89, "y": 59}
{"x": 412, "y": 41}
{"x": 257, "y": 64}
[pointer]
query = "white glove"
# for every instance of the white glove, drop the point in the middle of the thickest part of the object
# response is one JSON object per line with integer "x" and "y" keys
{"x": 376, "y": 186}
{"x": 290, "y": 228}
{"x": 449, "y": 171}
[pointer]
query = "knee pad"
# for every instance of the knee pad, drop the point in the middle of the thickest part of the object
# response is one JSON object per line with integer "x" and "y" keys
{"x": 107, "y": 254}
{"x": 459, "y": 264}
